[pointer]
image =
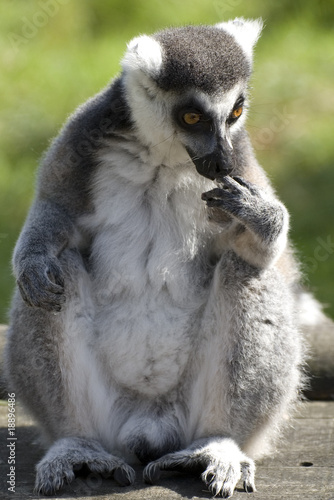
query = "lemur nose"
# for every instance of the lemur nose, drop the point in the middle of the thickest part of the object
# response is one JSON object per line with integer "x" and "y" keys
{"x": 223, "y": 166}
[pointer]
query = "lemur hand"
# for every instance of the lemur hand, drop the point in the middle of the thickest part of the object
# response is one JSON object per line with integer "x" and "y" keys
{"x": 250, "y": 205}
{"x": 41, "y": 282}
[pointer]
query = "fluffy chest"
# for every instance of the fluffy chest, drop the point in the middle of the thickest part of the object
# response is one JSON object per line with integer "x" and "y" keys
{"x": 148, "y": 279}
{"x": 149, "y": 227}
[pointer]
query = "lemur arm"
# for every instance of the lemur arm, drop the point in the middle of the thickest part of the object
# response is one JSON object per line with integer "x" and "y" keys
{"x": 63, "y": 195}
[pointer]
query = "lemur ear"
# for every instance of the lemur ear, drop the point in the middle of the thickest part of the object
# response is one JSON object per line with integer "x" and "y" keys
{"x": 144, "y": 53}
{"x": 245, "y": 31}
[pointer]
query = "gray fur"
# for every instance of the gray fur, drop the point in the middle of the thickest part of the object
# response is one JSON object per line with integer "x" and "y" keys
{"x": 192, "y": 52}
{"x": 157, "y": 313}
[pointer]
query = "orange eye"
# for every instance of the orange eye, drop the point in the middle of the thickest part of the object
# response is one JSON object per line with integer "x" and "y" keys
{"x": 237, "y": 112}
{"x": 191, "y": 118}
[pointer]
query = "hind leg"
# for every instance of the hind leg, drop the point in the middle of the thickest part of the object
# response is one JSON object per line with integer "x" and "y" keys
{"x": 220, "y": 461}
{"x": 68, "y": 454}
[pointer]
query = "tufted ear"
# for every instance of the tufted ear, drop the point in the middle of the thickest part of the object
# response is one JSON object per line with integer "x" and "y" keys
{"x": 245, "y": 31}
{"x": 144, "y": 53}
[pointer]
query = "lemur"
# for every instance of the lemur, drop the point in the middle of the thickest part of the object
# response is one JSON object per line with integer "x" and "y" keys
{"x": 155, "y": 316}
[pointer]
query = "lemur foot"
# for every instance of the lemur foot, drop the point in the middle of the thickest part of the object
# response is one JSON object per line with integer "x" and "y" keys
{"x": 221, "y": 461}
{"x": 69, "y": 454}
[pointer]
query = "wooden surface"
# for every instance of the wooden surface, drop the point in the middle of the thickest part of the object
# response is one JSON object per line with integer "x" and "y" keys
{"x": 302, "y": 469}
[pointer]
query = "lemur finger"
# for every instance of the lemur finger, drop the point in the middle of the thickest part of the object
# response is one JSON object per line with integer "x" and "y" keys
{"x": 231, "y": 183}
{"x": 41, "y": 292}
{"x": 151, "y": 473}
{"x": 248, "y": 472}
{"x": 251, "y": 187}
{"x": 124, "y": 475}
{"x": 55, "y": 275}
{"x": 216, "y": 193}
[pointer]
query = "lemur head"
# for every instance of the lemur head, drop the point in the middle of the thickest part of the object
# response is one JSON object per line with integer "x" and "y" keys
{"x": 190, "y": 84}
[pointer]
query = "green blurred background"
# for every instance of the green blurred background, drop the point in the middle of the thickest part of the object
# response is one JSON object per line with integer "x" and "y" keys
{"x": 57, "y": 53}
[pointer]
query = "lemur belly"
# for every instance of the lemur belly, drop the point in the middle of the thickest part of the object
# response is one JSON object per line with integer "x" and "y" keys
{"x": 144, "y": 343}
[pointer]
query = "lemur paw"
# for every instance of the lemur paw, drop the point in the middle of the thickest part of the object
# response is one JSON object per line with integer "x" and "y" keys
{"x": 41, "y": 283}
{"x": 250, "y": 205}
{"x": 221, "y": 477}
{"x": 234, "y": 194}
{"x": 222, "y": 461}
{"x": 70, "y": 454}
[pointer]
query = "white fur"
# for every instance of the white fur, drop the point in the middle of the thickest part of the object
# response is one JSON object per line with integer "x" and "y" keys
{"x": 144, "y": 54}
{"x": 310, "y": 311}
{"x": 140, "y": 63}
{"x": 245, "y": 31}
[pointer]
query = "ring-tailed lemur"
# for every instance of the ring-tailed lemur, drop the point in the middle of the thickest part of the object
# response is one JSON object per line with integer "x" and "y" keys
{"x": 155, "y": 313}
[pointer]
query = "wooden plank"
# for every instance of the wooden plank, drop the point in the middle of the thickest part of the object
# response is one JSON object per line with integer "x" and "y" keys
{"x": 289, "y": 474}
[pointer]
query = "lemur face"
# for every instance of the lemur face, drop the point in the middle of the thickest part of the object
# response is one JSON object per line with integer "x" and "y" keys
{"x": 191, "y": 84}
{"x": 206, "y": 128}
